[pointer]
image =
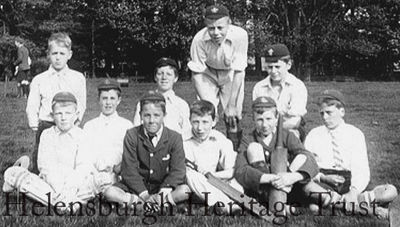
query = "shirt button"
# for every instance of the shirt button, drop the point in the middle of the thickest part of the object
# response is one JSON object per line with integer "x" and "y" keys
{"x": 151, "y": 155}
{"x": 151, "y": 171}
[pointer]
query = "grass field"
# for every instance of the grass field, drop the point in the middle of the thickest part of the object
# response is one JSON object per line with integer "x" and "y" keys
{"x": 373, "y": 107}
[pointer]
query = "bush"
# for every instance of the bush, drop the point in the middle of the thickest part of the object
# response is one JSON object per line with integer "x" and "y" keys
{"x": 39, "y": 65}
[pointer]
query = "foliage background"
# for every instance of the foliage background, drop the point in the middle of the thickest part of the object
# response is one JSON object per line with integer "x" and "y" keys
{"x": 327, "y": 38}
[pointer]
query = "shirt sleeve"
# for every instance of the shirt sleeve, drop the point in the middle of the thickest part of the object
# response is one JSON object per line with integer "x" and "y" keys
{"x": 186, "y": 126}
{"x": 360, "y": 172}
{"x": 19, "y": 58}
{"x": 240, "y": 53}
{"x": 198, "y": 56}
{"x": 136, "y": 117}
{"x": 33, "y": 104}
{"x": 130, "y": 165}
{"x": 82, "y": 97}
{"x": 228, "y": 155}
{"x": 298, "y": 101}
{"x": 177, "y": 168}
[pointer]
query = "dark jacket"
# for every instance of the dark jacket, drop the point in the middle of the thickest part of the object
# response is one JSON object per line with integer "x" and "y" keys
{"x": 145, "y": 167}
{"x": 22, "y": 60}
{"x": 249, "y": 177}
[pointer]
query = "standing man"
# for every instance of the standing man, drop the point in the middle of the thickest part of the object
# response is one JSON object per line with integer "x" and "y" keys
{"x": 59, "y": 77}
{"x": 218, "y": 61}
{"x": 22, "y": 65}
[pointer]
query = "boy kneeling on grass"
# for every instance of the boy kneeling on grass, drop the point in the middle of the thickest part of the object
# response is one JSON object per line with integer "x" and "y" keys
{"x": 211, "y": 152}
{"x": 63, "y": 170}
{"x": 253, "y": 163}
{"x": 153, "y": 161}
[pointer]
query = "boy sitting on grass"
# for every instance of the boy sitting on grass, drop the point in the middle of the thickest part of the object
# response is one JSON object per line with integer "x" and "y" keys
{"x": 153, "y": 160}
{"x": 253, "y": 163}
{"x": 104, "y": 135}
{"x": 211, "y": 152}
{"x": 63, "y": 168}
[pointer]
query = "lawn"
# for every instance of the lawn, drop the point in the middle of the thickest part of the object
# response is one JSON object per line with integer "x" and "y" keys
{"x": 373, "y": 107}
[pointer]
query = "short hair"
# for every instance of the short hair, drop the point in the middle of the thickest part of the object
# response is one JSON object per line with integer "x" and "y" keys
{"x": 331, "y": 102}
{"x": 176, "y": 72}
{"x": 19, "y": 40}
{"x": 153, "y": 97}
{"x": 118, "y": 91}
{"x": 60, "y": 38}
{"x": 203, "y": 107}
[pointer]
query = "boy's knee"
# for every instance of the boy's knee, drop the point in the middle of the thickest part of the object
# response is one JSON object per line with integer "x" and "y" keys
{"x": 255, "y": 152}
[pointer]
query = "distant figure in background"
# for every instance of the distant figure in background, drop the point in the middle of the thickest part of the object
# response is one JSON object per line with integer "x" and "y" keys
{"x": 177, "y": 116}
{"x": 59, "y": 77}
{"x": 218, "y": 62}
{"x": 22, "y": 67}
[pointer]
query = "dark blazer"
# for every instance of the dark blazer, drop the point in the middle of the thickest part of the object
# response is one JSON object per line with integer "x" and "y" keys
{"x": 22, "y": 60}
{"x": 145, "y": 167}
{"x": 249, "y": 177}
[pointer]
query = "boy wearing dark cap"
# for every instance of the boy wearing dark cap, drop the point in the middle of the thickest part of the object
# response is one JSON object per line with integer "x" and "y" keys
{"x": 62, "y": 166}
{"x": 289, "y": 93}
{"x": 104, "y": 135}
{"x": 177, "y": 110}
{"x": 252, "y": 169}
{"x": 218, "y": 62}
{"x": 153, "y": 160}
{"x": 341, "y": 153}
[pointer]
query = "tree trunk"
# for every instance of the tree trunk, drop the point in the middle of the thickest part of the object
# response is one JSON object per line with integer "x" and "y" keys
{"x": 257, "y": 58}
{"x": 93, "y": 46}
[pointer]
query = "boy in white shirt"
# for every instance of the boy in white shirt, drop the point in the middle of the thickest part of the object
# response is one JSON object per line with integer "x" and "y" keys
{"x": 212, "y": 152}
{"x": 104, "y": 135}
{"x": 177, "y": 116}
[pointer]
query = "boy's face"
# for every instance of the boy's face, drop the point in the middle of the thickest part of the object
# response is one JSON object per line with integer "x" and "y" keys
{"x": 331, "y": 115}
{"x": 59, "y": 56}
{"x": 217, "y": 29}
{"x": 109, "y": 101}
{"x": 165, "y": 78}
{"x": 265, "y": 122}
{"x": 65, "y": 116}
{"x": 278, "y": 70}
{"x": 201, "y": 125}
{"x": 152, "y": 117}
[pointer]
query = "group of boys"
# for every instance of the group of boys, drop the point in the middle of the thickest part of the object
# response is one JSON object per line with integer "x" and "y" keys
{"x": 145, "y": 161}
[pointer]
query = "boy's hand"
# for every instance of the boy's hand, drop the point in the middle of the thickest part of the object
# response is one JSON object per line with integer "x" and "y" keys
{"x": 286, "y": 180}
{"x": 231, "y": 122}
{"x": 332, "y": 179}
{"x": 267, "y": 178}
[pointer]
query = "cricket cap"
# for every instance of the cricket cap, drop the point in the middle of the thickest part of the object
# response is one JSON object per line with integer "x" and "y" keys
{"x": 215, "y": 12}
{"x": 332, "y": 94}
{"x": 276, "y": 52}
